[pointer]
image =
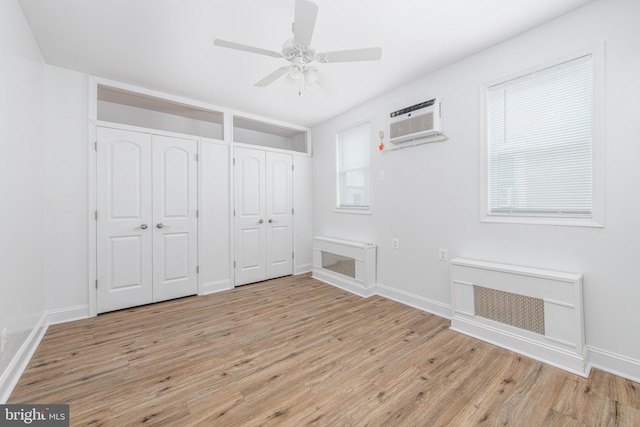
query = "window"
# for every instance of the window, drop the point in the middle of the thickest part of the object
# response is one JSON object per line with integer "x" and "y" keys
{"x": 540, "y": 144}
{"x": 352, "y": 148}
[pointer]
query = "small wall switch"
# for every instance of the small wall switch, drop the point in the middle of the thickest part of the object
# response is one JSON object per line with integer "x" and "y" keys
{"x": 443, "y": 254}
{"x": 395, "y": 243}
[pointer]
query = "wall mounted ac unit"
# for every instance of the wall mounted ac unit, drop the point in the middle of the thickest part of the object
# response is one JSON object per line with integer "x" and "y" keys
{"x": 415, "y": 122}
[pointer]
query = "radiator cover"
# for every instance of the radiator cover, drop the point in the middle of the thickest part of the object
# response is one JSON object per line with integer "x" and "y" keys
{"x": 346, "y": 264}
{"x": 531, "y": 311}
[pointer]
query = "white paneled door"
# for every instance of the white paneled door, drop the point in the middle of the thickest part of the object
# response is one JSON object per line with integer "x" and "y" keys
{"x": 147, "y": 224}
{"x": 175, "y": 224}
{"x": 263, "y": 215}
{"x": 124, "y": 233}
{"x": 279, "y": 195}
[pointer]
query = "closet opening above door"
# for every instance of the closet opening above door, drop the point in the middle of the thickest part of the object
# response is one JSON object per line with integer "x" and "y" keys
{"x": 270, "y": 135}
{"x": 134, "y": 109}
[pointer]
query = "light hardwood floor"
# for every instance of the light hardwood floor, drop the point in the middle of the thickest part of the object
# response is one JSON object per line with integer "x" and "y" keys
{"x": 295, "y": 351}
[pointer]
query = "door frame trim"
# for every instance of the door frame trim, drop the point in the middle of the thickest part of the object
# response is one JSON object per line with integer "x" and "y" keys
{"x": 92, "y": 170}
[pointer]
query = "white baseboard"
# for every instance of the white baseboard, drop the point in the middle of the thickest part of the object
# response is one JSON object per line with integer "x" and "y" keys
{"x": 303, "y": 268}
{"x": 213, "y": 287}
{"x": 339, "y": 281}
{"x": 616, "y": 364}
{"x": 18, "y": 364}
{"x": 415, "y": 301}
{"x": 68, "y": 314}
{"x": 550, "y": 355}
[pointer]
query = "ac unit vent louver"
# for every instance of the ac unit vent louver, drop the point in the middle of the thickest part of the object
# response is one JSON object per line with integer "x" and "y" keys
{"x": 415, "y": 122}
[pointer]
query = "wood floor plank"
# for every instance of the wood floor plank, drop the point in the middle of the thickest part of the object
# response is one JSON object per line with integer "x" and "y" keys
{"x": 295, "y": 351}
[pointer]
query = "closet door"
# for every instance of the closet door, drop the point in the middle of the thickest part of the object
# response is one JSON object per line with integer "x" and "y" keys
{"x": 124, "y": 226}
{"x": 263, "y": 215}
{"x": 147, "y": 218}
{"x": 175, "y": 223}
{"x": 250, "y": 209}
{"x": 279, "y": 194}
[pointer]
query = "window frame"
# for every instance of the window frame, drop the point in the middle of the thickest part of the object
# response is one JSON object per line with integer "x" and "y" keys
{"x": 596, "y": 219}
{"x": 364, "y": 210}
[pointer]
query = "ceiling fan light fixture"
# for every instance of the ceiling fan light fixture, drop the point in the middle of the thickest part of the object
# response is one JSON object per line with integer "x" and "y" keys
{"x": 295, "y": 72}
{"x": 310, "y": 76}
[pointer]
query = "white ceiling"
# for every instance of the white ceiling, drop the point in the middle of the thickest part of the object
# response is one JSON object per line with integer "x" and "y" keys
{"x": 167, "y": 45}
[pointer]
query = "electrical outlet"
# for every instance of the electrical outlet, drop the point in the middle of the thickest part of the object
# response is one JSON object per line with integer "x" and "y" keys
{"x": 395, "y": 243}
{"x": 3, "y": 340}
{"x": 443, "y": 254}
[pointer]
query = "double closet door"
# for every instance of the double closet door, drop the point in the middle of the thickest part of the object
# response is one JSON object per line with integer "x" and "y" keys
{"x": 263, "y": 215}
{"x": 146, "y": 218}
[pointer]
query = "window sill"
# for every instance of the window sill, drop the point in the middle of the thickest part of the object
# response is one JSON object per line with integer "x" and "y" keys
{"x": 569, "y": 222}
{"x": 357, "y": 211}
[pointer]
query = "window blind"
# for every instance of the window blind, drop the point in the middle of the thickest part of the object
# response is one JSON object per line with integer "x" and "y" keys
{"x": 539, "y": 132}
{"x": 353, "y": 166}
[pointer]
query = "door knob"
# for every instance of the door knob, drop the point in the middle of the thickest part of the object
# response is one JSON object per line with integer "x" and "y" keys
{"x": 270, "y": 220}
{"x": 143, "y": 226}
{"x": 161, "y": 225}
{"x": 260, "y": 221}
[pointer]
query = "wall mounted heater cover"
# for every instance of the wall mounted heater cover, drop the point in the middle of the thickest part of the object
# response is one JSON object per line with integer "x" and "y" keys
{"x": 531, "y": 311}
{"x": 346, "y": 264}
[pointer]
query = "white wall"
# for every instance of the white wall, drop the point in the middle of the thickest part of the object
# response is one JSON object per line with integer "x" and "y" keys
{"x": 21, "y": 184}
{"x": 66, "y": 208}
{"x": 430, "y": 198}
{"x": 214, "y": 254}
{"x": 303, "y": 212}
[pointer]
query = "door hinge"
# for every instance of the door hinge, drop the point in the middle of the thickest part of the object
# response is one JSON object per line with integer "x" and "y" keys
{"x": 96, "y": 283}
{"x": 292, "y": 167}
{"x": 196, "y": 155}
{"x": 95, "y": 146}
{"x": 95, "y": 215}
{"x": 234, "y": 212}
{"x": 197, "y": 213}
{"x": 292, "y": 211}
{"x": 197, "y": 269}
{"x": 234, "y": 264}
{"x": 293, "y": 255}
{"x": 234, "y": 161}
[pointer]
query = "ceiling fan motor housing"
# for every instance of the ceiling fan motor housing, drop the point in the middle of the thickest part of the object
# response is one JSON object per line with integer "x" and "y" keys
{"x": 296, "y": 52}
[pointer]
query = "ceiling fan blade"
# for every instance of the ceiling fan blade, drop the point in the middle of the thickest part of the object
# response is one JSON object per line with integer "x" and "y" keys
{"x": 272, "y": 77}
{"x": 305, "y": 21}
{"x": 366, "y": 54}
{"x": 245, "y": 48}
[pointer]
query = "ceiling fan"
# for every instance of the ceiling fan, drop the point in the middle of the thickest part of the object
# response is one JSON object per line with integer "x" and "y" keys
{"x": 300, "y": 54}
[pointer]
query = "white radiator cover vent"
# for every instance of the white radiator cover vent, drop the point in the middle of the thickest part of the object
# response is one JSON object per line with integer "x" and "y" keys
{"x": 346, "y": 264}
{"x": 531, "y": 311}
{"x": 340, "y": 264}
{"x": 416, "y": 122}
{"x": 511, "y": 309}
